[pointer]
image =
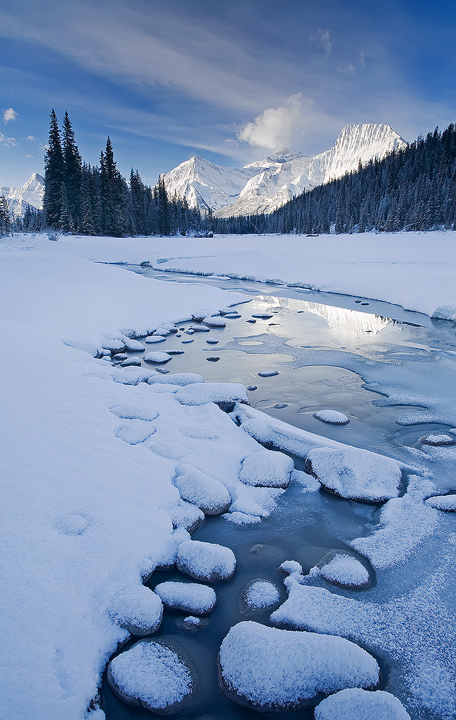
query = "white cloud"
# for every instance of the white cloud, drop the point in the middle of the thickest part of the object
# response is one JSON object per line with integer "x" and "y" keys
{"x": 7, "y": 141}
{"x": 322, "y": 40}
{"x": 346, "y": 70}
{"x": 30, "y": 137}
{"x": 9, "y": 114}
{"x": 275, "y": 128}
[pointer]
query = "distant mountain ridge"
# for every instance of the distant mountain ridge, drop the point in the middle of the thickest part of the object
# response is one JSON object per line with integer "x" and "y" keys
{"x": 265, "y": 185}
{"x": 31, "y": 193}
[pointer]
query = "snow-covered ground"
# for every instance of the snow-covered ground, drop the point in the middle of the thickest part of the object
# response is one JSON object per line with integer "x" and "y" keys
{"x": 88, "y": 464}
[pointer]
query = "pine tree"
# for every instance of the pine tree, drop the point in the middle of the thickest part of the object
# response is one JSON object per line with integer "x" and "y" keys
{"x": 54, "y": 176}
{"x": 73, "y": 173}
{"x": 5, "y": 219}
{"x": 163, "y": 207}
{"x": 112, "y": 187}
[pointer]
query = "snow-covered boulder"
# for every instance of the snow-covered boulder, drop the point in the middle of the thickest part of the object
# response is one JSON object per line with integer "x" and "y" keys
{"x": 154, "y": 339}
{"x": 134, "y": 361}
{"x": 272, "y": 670}
{"x": 189, "y": 597}
{"x": 357, "y": 704}
{"x": 113, "y": 344}
{"x": 355, "y": 474}
{"x": 331, "y": 417}
{"x": 267, "y": 468}
{"x": 447, "y": 503}
{"x": 200, "y": 489}
{"x": 268, "y": 373}
{"x": 437, "y": 440}
{"x": 201, "y": 393}
{"x": 205, "y": 561}
{"x": 153, "y": 675}
{"x": 138, "y": 609}
{"x": 216, "y": 322}
{"x": 186, "y": 515}
{"x": 345, "y": 571}
{"x": 181, "y": 379}
{"x": 260, "y": 595}
{"x": 157, "y": 357}
{"x": 133, "y": 345}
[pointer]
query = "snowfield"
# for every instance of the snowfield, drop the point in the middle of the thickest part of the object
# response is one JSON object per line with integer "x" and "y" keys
{"x": 89, "y": 453}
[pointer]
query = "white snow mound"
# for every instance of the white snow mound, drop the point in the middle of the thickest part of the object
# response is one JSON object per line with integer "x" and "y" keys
{"x": 332, "y": 417}
{"x": 271, "y": 669}
{"x": 356, "y": 474}
{"x": 262, "y": 595}
{"x": 200, "y": 489}
{"x": 345, "y": 570}
{"x": 357, "y": 704}
{"x": 138, "y": 610}
{"x": 267, "y": 468}
{"x": 189, "y": 597}
{"x": 205, "y": 561}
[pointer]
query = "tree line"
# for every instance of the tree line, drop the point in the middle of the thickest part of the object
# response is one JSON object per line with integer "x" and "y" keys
{"x": 97, "y": 200}
{"x": 413, "y": 188}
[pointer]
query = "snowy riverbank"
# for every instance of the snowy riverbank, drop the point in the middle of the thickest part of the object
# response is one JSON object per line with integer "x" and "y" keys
{"x": 85, "y": 516}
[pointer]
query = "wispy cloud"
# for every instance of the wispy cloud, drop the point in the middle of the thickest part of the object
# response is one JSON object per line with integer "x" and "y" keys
{"x": 7, "y": 141}
{"x": 9, "y": 114}
{"x": 323, "y": 41}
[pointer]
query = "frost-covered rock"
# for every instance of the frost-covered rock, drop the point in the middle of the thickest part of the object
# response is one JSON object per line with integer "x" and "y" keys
{"x": 131, "y": 362}
{"x": 447, "y": 503}
{"x": 189, "y": 597}
{"x": 113, "y": 344}
{"x": 139, "y": 610}
{"x": 187, "y": 516}
{"x": 261, "y": 595}
{"x": 131, "y": 412}
{"x": 198, "y": 328}
{"x": 291, "y": 567}
{"x": 200, "y": 489}
{"x": 131, "y": 376}
{"x": 153, "y": 675}
{"x": 182, "y": 379}
{"x": 216, "y": 322}
{"x": 267, "y": 468}
{"x": 357, "y": 704}
{"x": 212, "y": 341}
{"x": 201, "y": 393}
{"x": 133, "y": 345}
{"x": 437, "y": 440}
{"x": 262, "y": 316}
{"x": 205, "y": 561}
{"x": 268, "y": 373}
{"x": 157, "y": 357}
{"x": 269, "y": 670}
{"x": 356, "y": 474}
{"x": 153, "y": 339}
{"x": 345, "y": 571}
{"x": 332, "y": 417}
{"x": 135, "y": 432}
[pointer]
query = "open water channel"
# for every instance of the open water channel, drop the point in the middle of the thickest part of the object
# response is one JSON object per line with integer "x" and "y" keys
{"x": 374, "y": 362}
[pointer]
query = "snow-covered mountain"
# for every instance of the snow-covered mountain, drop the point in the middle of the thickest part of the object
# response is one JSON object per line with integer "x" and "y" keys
{"x": 31, "y": 193}
{"x": 267, "y": 184}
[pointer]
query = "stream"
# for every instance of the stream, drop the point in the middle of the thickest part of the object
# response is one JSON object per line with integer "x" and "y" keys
{"x": 382, "y": 367}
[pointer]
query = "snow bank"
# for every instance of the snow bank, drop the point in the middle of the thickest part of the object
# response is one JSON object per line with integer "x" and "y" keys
{"x": 205, "y": 561}
{"x": 278, "y": 670}
{"x": 356, "y": 704}
{"x": 152, "y": 676}
{"x": 199, "y": 394}
{"x": 447, "y": 503}
{"x": 356, "y": 474}
{"x": 189, "y": 597}
{"x": 181, "y": 379}
{"x": 268, "y": 469}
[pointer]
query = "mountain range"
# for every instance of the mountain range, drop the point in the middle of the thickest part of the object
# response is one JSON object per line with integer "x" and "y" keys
{"x": 259, "y": 187}
{"x": 265, "y": 185}
{"x": 31, "y": 193}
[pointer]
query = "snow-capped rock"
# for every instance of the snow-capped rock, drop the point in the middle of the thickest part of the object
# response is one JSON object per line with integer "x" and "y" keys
{"x": 31, "y": 193}
{"x": 267, "y": 184}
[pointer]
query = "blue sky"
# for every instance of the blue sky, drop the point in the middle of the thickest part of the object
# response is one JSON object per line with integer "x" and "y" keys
{"x": 231, "y": 80}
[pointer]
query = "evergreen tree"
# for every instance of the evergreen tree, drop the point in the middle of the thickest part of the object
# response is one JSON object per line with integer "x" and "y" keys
{"x": 5, "y": 219}
{"x": 54, "y": 176}
{"x": 113, "y": 206}
{"x": 163, "y": 207}
{"x": 73, "y": 174}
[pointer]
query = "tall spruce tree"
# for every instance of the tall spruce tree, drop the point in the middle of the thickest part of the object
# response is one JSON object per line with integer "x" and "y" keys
{"x": 5, "y": 219}
{"x": 73, "y": 175}
{"x": 163, "y": 208}
{"x": 112, "y": 187}
{"x": 54, "y": 176}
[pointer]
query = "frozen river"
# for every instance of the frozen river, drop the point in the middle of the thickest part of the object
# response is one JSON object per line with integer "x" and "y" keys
{"x": 392, "y": 374}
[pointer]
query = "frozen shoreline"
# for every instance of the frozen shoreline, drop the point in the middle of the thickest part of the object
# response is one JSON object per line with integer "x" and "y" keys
{"x": 86, "y": 515}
